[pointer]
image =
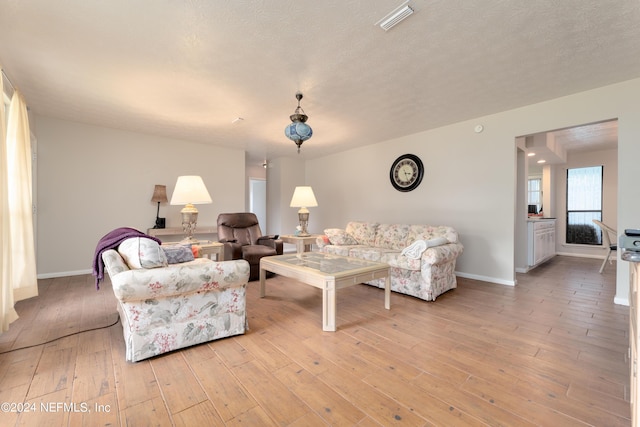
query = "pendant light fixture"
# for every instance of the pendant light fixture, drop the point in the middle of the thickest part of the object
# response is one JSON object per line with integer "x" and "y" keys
{"x": 298, "y": 131}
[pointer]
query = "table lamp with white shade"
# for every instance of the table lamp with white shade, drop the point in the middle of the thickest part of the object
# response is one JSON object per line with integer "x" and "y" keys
{"x": 303, "y": 198}
{"x": 190, "y": 190}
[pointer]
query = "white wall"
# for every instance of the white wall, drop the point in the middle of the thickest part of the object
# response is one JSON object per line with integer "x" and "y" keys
{"x": 93, "y": 179}
{"x": 470, "y": 178}
{"x": 283, "y": 176}
{"x": 609, "y": 160}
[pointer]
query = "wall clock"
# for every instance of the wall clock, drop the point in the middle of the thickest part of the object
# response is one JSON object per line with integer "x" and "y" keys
{"x": 406, "y": 172}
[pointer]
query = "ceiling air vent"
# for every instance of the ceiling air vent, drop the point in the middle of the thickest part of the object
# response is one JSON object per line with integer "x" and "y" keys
{"x": 395, "y": 17}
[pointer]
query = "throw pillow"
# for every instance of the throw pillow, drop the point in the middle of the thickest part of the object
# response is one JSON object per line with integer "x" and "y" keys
{"x": 140, "y": 252}
{"x": 338, "y": 236}
{"x": 178, "y": 253}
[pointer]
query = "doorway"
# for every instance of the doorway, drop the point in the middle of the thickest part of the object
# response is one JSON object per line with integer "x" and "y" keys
{"x": 557, "y": 151}
{"x": 258, "y": 199}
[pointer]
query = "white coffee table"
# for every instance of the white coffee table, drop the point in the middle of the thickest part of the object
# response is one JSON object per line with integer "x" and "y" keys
{"x": 329, "y": 273}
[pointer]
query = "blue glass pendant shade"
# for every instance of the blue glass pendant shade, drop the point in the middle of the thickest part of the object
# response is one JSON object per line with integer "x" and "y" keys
{"x": 298, "y": 131}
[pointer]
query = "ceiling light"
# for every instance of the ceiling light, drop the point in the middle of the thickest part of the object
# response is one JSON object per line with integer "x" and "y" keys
{"x": 542, "y": 161}
{"x": 395, "y": 17}
{"x": 531, "y": 154}
{"x": 298, "y": 131}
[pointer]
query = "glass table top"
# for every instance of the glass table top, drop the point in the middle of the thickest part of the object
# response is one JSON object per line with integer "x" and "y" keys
{"x": 326, "y": 263}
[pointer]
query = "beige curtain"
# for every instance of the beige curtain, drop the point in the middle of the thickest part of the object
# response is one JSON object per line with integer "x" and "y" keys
{"x": 6, "y": 290}
{"x": 18, "y": 268}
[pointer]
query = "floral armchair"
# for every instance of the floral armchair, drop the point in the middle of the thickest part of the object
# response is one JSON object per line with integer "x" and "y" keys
{"x": 164, "y": 307}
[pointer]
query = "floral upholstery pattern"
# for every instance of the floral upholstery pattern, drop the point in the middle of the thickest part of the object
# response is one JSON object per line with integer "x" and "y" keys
{"x": 425, "y": 278}
{"x": 363, "y": 232}
{"x": 140, "y": 252}
{"x": 392, "y": 236}
{"x": 167, "y": 308}
{"x": 338, "y": 236}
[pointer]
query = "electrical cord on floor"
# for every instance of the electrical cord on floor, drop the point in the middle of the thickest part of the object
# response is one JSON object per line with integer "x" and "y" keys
{"x": 64, "y": 336}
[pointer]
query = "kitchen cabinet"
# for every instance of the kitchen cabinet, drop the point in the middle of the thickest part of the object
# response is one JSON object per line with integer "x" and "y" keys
{"x": 541, "y": 236}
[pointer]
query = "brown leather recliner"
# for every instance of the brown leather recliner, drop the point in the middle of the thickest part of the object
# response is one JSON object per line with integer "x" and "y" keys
{"x": 243, "y": 239}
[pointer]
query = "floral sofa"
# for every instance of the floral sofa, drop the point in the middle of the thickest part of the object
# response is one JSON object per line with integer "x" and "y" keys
{"x": 422, "y": 257}
{"x": 165, "y": 306}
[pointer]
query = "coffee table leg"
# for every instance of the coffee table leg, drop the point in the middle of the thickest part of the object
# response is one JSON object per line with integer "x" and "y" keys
{"x": 329, "y": 307}
{"x": 263, "y": 276}
{"x": 387, "y": 293}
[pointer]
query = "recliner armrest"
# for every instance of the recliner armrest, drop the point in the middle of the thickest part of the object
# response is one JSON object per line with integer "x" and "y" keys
{"x": 272, "y": 242}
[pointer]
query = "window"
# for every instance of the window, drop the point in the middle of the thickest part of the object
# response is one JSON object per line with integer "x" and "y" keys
{"x": 584, "y": 204}
{"x": 535, "y": 194}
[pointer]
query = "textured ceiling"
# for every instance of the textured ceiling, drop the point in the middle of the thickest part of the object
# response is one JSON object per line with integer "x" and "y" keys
{"x": 186, "y": 69}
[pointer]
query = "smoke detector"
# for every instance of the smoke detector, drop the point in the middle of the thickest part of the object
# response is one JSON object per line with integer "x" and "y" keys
{"x": 398, "y": 15}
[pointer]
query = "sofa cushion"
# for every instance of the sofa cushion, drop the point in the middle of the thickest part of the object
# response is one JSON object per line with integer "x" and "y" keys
{"x": 338, "y": 250}
{"x": 428, "y": 232}
{"x": 388, "y": 256}
{"x": 370, "y": 253}
{"x": 392, "y": 236}
{"x": 140, "y": 252}
{"x": 363, "y": 232}
{"x": 338, "y": 236}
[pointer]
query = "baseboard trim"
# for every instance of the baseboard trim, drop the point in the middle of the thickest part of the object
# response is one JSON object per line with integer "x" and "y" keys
{"x": 63, "y": 274}
{"x": 486, "y": 279}
{"x": 584, "y": 256}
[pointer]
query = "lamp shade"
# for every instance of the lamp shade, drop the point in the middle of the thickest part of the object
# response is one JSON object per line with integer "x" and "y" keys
{"x": 190, "y": 189}
{"x": 160, "y": 194}
{"x": 298, "y": 131}
{"x": 303, "y": 197}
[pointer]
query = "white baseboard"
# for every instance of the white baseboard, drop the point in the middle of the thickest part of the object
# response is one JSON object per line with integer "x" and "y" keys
{"x": 63, "y": 274}
{"x": 486, "y": 279}
{"x": 613, "y": 258}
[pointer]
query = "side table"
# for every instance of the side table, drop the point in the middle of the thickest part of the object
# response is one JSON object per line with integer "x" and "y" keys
{"x": 303, "y": 244}
{"x": 212, "y": 248}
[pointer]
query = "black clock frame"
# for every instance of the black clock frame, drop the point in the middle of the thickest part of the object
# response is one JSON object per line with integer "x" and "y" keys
{"x": 418, "y": 180}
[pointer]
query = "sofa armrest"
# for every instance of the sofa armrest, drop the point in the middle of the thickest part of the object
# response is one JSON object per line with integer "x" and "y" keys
{"x": 201, "y": 274}
{"x": 113, "y": 262}
{"x": 442, "y": 254}
{"x": 322, "y": 241}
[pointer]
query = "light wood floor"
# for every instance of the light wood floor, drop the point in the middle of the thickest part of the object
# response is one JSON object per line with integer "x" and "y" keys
{"x": 551, "y": 351}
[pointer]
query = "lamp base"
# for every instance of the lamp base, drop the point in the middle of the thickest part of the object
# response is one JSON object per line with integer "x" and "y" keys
{"x": 160, "y": 223}
{"x": 303, "y": 219}
{"x": 189, "y": 221}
